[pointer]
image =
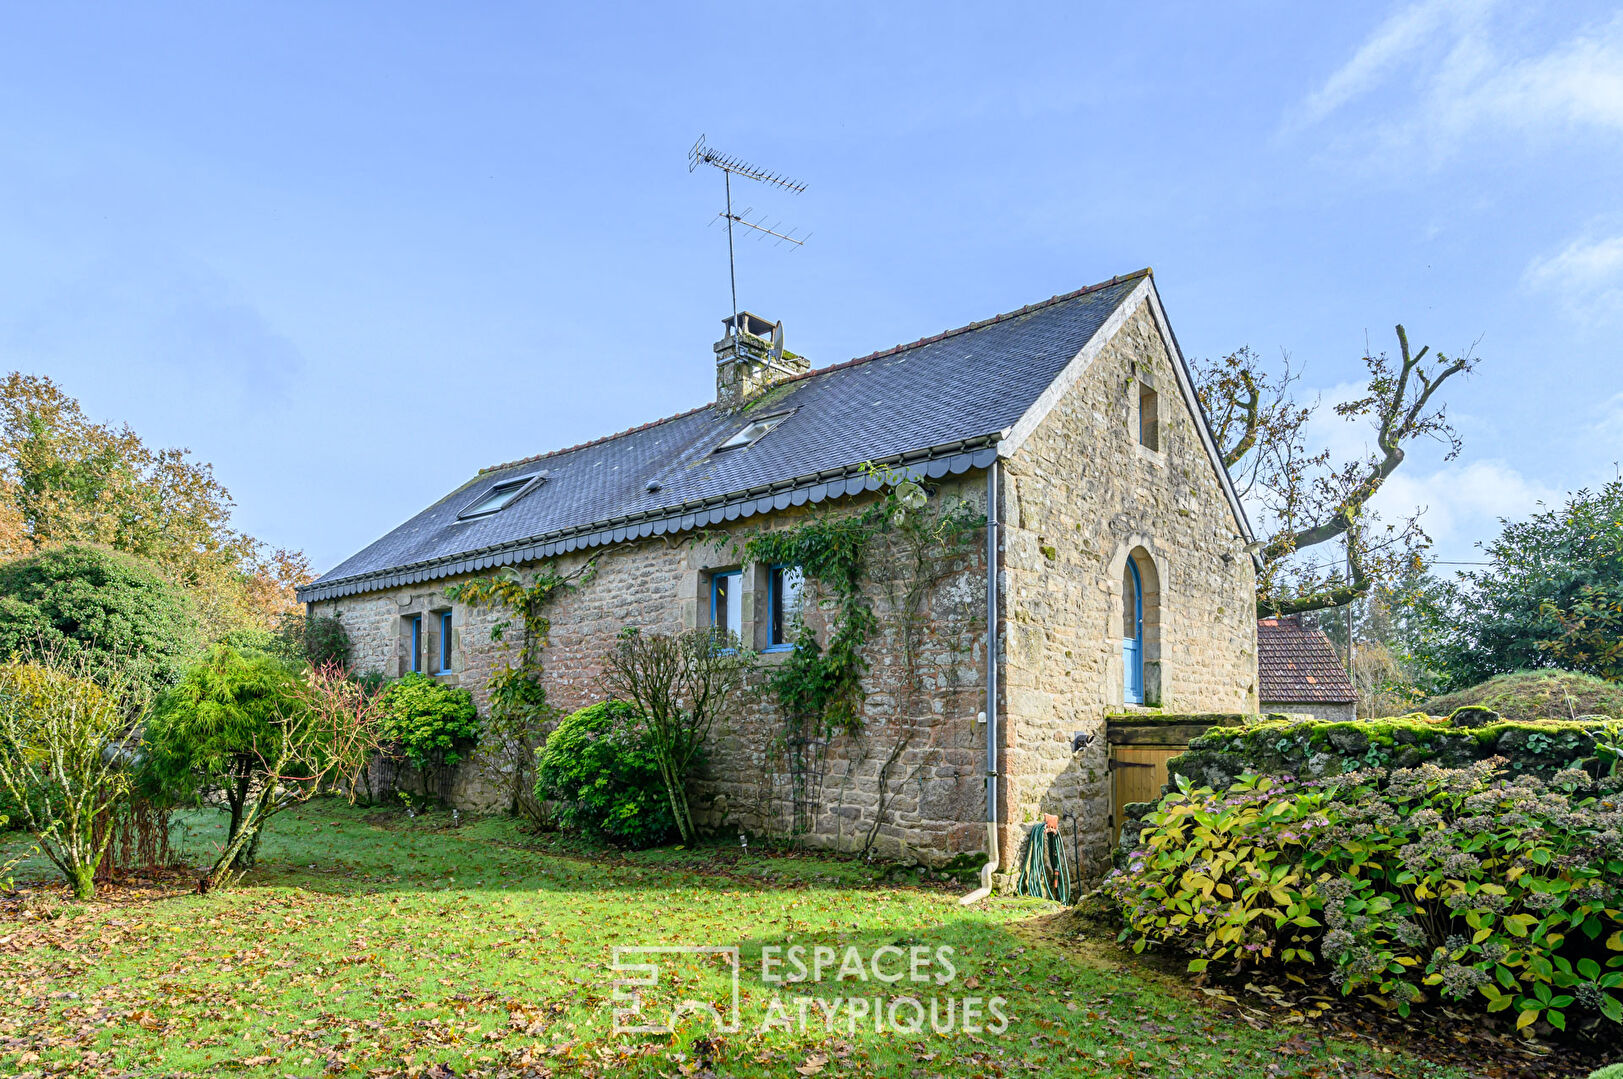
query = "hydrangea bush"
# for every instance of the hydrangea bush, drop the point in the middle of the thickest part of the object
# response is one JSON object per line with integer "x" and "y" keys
{"x": 604, "y": 780}
{"x": 428, "y": 723}
{"x": 1466, "y": 884}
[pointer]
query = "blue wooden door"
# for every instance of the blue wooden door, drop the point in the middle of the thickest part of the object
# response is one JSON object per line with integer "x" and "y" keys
{"x": 1132, "y": 642}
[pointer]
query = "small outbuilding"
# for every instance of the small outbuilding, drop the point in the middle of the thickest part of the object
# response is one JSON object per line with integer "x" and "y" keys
{"x": 1298, "y": 671}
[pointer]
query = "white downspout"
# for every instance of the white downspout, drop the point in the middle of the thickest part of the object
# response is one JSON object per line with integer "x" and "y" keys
{"x": 992, "y": 854}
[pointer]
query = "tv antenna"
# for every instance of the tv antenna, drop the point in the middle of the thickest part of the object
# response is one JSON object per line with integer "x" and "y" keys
{"x": 701, "y": 154}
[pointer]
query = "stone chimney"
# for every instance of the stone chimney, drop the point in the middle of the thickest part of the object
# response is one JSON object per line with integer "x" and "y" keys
{"x": 750, "y": 359}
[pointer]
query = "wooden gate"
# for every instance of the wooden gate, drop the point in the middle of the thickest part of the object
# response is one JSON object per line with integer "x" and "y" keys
{"x": 1141, "y": 743}
{"x": 1137, "y": 774}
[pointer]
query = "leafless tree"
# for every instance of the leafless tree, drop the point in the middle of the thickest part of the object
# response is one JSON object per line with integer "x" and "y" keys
{"x": 680, "y": 685}
{"x": 1308, "y": 499}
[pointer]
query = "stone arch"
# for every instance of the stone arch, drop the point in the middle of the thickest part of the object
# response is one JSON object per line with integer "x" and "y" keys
{"x": 1137, "y": 617}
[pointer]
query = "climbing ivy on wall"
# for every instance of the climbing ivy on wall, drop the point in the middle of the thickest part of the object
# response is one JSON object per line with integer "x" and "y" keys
{"x": 518, "y": 698}
{"x": 819, "y": 687}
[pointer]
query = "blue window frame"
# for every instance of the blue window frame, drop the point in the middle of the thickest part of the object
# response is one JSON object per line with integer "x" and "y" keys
{"x": 1132, "y": 641}
{"x": 784, "y": 586}
{"x": 727, "y": 602}
{"x": 415, "y": 663}
{"x": 445, "y": 643}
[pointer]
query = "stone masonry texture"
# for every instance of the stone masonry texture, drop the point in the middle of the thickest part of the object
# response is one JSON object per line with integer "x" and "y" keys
{"x": 1079, "y": 498}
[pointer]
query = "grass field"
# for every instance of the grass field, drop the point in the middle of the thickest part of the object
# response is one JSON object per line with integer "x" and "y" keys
{"x": 374, "y": 944}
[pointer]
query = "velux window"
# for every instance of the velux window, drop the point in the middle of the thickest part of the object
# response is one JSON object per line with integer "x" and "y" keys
{"x": 783, "y": 589}
{"x": 501, "y": 495}
{"x": 753, "y": 432}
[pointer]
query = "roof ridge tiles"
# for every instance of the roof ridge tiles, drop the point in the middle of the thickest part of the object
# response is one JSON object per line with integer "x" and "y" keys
{"x": 595, "y": 441}
{"x": 944, "y": 334}
{"x": 880, "y": 354}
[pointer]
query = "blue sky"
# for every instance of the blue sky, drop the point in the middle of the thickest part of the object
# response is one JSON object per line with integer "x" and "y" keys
{"x": 350, "y": 253}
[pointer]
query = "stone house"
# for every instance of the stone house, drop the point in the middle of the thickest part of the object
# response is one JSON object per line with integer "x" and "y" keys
{"x": 1121, "y": 573}
{"x": 1298, "y": 671}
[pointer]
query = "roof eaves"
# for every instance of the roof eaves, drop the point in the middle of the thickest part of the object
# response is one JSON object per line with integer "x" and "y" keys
{"x": 499, "y": 554}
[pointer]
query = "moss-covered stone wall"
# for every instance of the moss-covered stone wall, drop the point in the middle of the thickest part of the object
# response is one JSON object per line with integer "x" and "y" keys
{"x": 1315, "y": 747}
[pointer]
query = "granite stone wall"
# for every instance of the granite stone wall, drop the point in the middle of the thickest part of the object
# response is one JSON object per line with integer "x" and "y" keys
{"x": 913, "y": 780}
{"x": 1081, "y": 496}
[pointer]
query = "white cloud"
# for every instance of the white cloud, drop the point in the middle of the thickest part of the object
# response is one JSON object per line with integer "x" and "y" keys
{"x": 1397, "y": 39}
{"x": 1463, "y": 502}
{"x": 1588, "y": 272}
{"x": 1606, "y": 433}
{"x": 1459, "y": 74}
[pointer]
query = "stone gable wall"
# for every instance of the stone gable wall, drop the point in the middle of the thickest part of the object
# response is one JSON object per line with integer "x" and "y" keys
{"x": 1079, "y": 496}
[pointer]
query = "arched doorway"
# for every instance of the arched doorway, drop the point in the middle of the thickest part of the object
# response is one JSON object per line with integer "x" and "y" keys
{"x": 1132, "y": 633}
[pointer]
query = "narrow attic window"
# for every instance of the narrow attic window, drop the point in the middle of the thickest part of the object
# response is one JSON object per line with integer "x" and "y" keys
{"x": 1149, "y": 418}
{"x": 753, "y": 431}
{"x": 501, "y": 496}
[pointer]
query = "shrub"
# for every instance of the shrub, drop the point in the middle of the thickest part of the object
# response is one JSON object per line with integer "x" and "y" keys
{"x": 318, "y": 640}
{"x": 680, "y": 685}
{"x": 429, "y": 723}
{"x": 110, "y": 607}
{"x": 64, "y": 740}
{"x": 210, "y": 737}
{"x": 606, "y": 781}
{"x": 1470, "y": 883}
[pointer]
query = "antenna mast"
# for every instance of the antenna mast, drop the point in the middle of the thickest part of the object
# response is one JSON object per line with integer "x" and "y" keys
{"x": 700, "y": 154}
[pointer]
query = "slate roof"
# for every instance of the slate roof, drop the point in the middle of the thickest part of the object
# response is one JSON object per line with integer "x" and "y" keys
{"x": 945, "y": 393}
{"x": 1296, "y": 664}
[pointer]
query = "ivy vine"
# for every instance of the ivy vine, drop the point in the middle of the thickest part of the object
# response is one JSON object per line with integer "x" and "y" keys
{"x": 819, "y": 687}
{"x": 518, "y": 697}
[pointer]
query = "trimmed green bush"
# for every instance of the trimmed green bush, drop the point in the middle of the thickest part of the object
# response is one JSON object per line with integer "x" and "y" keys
{"x": 428, "y": 723}
{"x": 1311, "y": 748}
{"x": 111, "y": 607}
{"x": 1469, "y": 884}
{"x": 597, "y": 767}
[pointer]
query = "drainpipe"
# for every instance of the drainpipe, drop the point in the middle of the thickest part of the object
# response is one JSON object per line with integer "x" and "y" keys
{"x": 992, "y": 855}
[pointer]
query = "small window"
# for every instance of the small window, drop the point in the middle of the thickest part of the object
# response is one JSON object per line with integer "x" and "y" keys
{"x": 753, "y": 432}
{"x": 501, "y": 496}
{"x": 414, "y": 641}
{"x": 727, "y": 602}
{"x": 1149, "y": 418}
{"x": 784, "y": 588}
{"x": 445, "y": 643}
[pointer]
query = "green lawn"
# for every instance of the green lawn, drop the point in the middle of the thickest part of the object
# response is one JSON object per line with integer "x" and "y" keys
{"x": 374, "y": 944}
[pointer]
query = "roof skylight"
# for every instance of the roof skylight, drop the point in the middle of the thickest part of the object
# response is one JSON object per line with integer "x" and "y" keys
{"x": 501, "y": 496}
{"x": 753, "y": 431}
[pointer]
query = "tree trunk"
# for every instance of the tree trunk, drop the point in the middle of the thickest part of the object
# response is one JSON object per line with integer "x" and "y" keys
{"x": 249, "y": 854}
{"x": 82, "y": 879}
{"x": 677, "y": 792}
